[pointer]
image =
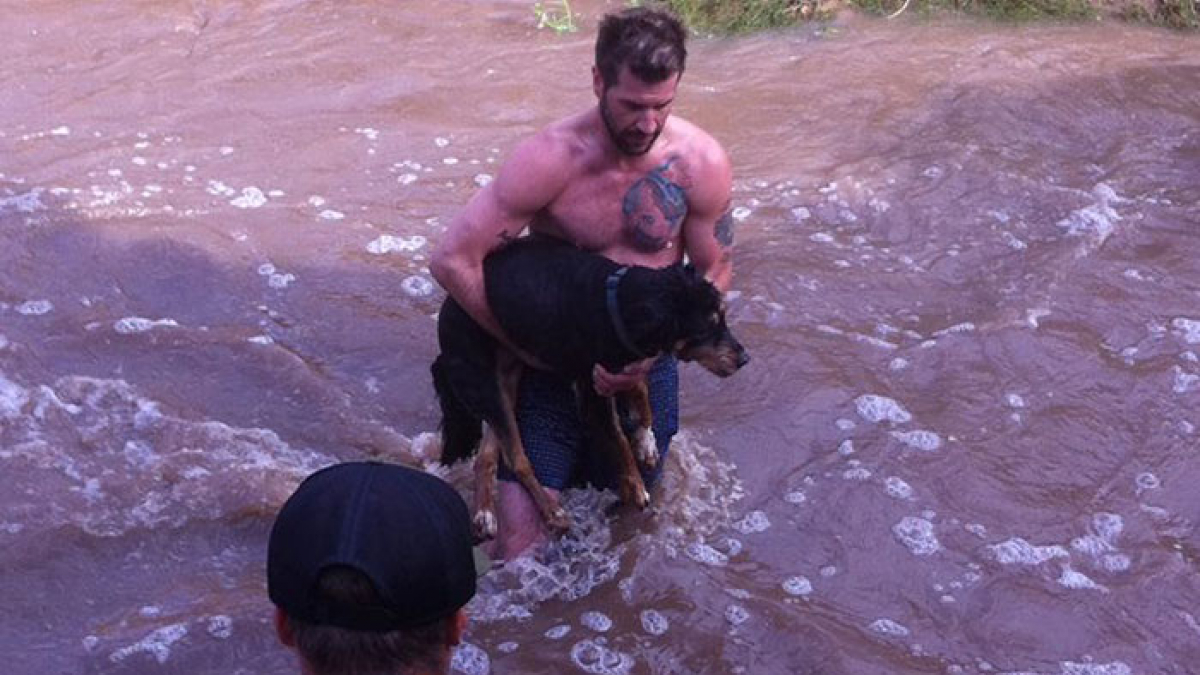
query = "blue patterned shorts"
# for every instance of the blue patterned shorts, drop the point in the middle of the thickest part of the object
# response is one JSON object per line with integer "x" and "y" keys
{"x": 553, "y": 432}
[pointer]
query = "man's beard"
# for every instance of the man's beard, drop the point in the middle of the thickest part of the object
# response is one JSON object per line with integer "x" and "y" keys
{"x": 629, "y": 147}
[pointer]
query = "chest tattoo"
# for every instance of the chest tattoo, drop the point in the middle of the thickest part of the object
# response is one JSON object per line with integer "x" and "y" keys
{"x": 655, "y": 206}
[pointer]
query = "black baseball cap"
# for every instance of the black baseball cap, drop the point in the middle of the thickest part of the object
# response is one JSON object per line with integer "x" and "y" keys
{"x": 407, "y": 531}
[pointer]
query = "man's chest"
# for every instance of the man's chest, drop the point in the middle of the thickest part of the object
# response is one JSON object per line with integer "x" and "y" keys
{"x": 639, "y": 210}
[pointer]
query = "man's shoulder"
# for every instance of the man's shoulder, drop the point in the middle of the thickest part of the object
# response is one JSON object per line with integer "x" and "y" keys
{"x": 567, "y": 138}
{"x": 700, "y": 148}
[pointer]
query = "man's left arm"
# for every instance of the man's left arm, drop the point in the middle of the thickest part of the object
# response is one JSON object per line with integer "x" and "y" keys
{"x": 708, "y": 229}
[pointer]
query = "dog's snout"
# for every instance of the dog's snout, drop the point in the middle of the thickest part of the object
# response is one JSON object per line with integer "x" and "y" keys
{"x": 743, "y": 356}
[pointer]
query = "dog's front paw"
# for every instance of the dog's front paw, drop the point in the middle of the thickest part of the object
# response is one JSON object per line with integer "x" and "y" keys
{"x": 484, "y": 525}
{"x": 646, "y": 449}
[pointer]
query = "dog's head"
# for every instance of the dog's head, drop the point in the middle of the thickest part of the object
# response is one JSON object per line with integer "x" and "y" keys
{"x": 701, "y": 332}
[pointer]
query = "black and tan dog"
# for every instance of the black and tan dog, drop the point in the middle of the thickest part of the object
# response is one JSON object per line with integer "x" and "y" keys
{"x": 570, "y": 310}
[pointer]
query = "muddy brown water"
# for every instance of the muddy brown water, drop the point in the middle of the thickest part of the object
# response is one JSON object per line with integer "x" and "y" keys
{"x": 966, "y": 268}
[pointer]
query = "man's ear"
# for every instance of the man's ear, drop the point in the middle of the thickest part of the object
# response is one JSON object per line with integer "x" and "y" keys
{"x": 456, "y": 627}
{"x": 283, "y": 629}
{"x": 597, "y": 83}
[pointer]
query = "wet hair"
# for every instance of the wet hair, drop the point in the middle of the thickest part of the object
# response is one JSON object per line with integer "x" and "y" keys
{"x": 331, "y": 650}
{"x": 648, "y": 40}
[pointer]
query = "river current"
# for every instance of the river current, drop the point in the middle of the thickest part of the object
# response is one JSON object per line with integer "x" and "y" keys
{"x": 966, "y": 270}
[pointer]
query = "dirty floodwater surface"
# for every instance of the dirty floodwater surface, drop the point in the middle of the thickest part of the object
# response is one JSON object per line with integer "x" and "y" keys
{"x": 965, "y": 268}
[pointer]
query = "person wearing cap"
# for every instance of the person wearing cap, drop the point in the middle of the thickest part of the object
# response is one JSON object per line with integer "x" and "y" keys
{"x": 369, "y": 566}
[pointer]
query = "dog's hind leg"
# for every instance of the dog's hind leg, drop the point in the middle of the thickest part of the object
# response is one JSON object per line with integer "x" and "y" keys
{"x": 484, "y": 522}
{"x": 642, "y": 440}
{"x": 605, "y": 427}
{"x": 509, "y": 372}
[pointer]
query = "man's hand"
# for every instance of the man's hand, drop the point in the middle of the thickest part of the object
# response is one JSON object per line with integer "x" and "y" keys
{"x": 608, "y": 384}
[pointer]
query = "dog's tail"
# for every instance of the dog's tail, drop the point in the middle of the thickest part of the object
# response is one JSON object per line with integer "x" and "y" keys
{"x": 461, "y": 429}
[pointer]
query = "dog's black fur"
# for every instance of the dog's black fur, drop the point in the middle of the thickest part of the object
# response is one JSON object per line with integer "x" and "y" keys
{"x": 550, "y": 298}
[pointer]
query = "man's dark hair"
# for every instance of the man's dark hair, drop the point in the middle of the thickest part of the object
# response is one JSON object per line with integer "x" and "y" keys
{"x": 648, "y": 40}
{"x": 330, "y": 650}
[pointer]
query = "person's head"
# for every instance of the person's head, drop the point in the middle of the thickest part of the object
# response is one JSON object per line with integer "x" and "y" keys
{"x": 369, "y": 566}
{"x": 640, "y": 56}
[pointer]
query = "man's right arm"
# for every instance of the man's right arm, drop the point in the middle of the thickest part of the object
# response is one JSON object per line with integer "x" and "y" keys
{"x": 528, "y": 182}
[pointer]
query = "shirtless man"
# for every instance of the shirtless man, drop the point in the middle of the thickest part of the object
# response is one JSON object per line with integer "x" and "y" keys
{"x": 624, "y": 179}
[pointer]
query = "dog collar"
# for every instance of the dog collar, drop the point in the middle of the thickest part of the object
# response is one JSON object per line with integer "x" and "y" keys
{"x": 614, "y": 312}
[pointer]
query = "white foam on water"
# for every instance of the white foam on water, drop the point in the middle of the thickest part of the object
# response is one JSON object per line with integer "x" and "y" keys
{"x": 875, "y": 408}
{"x": 220, "y": 626}
{"x": 1014, "y": 401}
{"x": 136, "y": 324}
{"x": 4, "y": 343}
{"x": 261, "y": 340}
{"x": 654, "y": 622}
{"x": 896, "y": 487}
{"x": 1115, "y": 562}
{"x": 1146, "y": 481}
{"x": 1114, "y": 668}
{"x": 705, "y": 554}
{"x": 801, "y": 213}
{"x": 330, "y": 214}
{"x": 741, "y": 213}
{"x": 846, "y": 448}
{"x": 1017, "y": 551}
{"x": 1013, "y": 242}
{"x": 754, "y": 522}
{"x": 917, "y": 534}
{"x": 596, "y": 657}
{"x": 219, "y": 189}
{"x": 157, "y": 644}
{"x": 898, "y": 364}
{"x": 507, "y": 647}
{"x": 417, "y": 286}
{"x": 795, "y": 497}
{"x": 888, "y": 627}
{"x": 596, "y": 621}
{"x": 13, "y": 398}
{"x": 441, "y": 141}
{"x": 798, "y": 586}
{"x": 857, "y": 473}
{"x": 698, "y": 491}
{"x": 965, "y": 327}
{"x": 1184, "y": 381}
{"x": 874, "y": 341}
{"x": 280, "y": 281}
{"x": 1075, "y": 580}
{"x": 845, "y": 424}
{"x": 736, "y": 615}
{"x": 388, "y": 243}
{"x": 142, "y": 468}
{"x": 35, "y": 307}
{"x": 558, "y": 632}
{"x": 469, "y": 659}
{"x": 1188, "y": 329}
{"x": 1096, "y": 221}
{"x": 919, "y": 439}
{"x": 27, "y": 202}
{"x": 251, "y": 198}
{"x": 568, "y": 568}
